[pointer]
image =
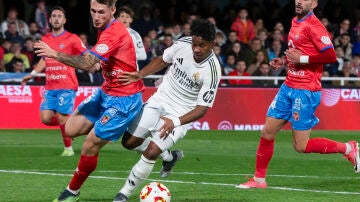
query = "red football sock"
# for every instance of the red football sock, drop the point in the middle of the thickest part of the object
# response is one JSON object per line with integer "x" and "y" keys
{"x": 87, "y": 164}
{"x": 54, "y": 121}
{"x": 264, "y": 154}
{"x": 324, "y": 146}
{"x": 67, "y": 140}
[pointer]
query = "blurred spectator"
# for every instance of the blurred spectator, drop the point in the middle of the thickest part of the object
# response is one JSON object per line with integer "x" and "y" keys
{"x": 259, "y": 26}
{"x": 28, "y": 50}
{"x": 15, "y": 52}
{"x": 41, "y": 17}
{"x": 13, "y": 35}
{"x": 186, "y": 29}
{"x": 355, "y": 65}
{"x": 250, "y": 53}
{"x": 219, "y": 39}
{"x": 236, "y": 51}
{"x": 230, "y": 64}
{"x": 260, "y": 58}
{"x": 344, "y": 27}
{"x": 263, "y": 36}
{"x": 145, "y": 23}
{"x": 356, "y": 32}
{"x": 231, "y": 39}
{"x": 334, "y": 68}
{"x": 217, "y": 52}
{"x": 163, "y": 44}
{"x": 16, "y": 66}
{"x": 12, "y": 16}
{"x": 2, "y": 52}
{"x": 280, "y": 26}
{"x": 149, "y": 53}
{"x": 328, "y": 26}
{"x": 276, "y": 35}
{"x": 344, "y": 41}
{"x": 275, "y": 51}
{"x": 219, "y": 32}
{"x": 346, "y": 72}
{"x": 34, "y": 31}
{"x": 244, "y": 27}
{"x": 240, "y": 68}
{"x": 6, "y": 45}
{"x": 263, "y": 70}
{"x": 84, "y": 38}
{"x": 176, "y": 31}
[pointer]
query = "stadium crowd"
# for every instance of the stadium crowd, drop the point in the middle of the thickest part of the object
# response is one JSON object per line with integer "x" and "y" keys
{"x": 249, "y": 34}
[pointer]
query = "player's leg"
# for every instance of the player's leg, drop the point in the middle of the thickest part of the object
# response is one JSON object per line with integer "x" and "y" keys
{"x": 48, "y": 108}
{"x": 86, "y": 165}
{"x": 278, "y": 113}
{"x": 66, "y": 101}
{"x": 304, "y": 119}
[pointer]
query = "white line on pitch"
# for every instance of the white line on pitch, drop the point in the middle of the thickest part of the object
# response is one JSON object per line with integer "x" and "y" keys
{"x": 217, "y": 174}
{"x": 179, "y": 182}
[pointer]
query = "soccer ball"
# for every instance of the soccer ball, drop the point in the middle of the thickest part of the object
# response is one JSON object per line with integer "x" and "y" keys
{"x": 155, "y": 192}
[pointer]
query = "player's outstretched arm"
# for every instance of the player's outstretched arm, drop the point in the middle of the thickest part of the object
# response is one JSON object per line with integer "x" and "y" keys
{"x": 85, "y": 62}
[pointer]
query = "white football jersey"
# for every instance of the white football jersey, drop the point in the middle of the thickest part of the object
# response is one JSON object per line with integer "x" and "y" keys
{"x": 187, "y": 83}
{"x": 138, "y": 43}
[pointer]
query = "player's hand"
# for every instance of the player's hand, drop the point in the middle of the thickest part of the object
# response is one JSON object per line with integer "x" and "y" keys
{"x": 25, "y": 79}
{"x": 95, "y": 67}
{"x": 43, "y": 50}
{"x": 167, "y": 128}
{"x": 276, "y": 63}
{"x": 129, "y": 77}
{"x": 293, "y": 55}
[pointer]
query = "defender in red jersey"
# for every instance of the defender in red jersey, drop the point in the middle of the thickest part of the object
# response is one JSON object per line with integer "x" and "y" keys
{"x": 61, "y": 82}
{"x": 310, "y": 47}
{"x": 105, "y": 115}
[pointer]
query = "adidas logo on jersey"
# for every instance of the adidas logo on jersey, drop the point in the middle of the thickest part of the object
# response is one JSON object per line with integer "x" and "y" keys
{"x": 180, "y": 60}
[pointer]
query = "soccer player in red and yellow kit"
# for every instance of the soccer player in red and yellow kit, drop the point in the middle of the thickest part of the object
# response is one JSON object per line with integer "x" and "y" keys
{"x": 61, "y": 82}
{"x": 309, "y": 48}
{"x": 106, "y": 114}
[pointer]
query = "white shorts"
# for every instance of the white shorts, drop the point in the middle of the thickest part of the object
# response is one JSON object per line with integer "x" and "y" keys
{"x": 148, "y": 122}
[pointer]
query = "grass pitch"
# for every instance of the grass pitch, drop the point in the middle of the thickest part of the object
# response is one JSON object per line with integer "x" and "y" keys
{"x": 31, "y": 169}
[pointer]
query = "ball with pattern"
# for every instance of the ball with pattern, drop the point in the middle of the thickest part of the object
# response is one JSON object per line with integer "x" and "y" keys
{"x": 155, "y": 192}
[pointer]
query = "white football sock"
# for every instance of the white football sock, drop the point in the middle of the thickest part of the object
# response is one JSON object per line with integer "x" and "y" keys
{"x": 138, "y": 174}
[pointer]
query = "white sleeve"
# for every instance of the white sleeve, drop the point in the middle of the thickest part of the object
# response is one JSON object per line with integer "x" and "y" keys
{"x": 170, "y": 52}
{"x": 139, "y": 46}
{"x": 210, "y": 85}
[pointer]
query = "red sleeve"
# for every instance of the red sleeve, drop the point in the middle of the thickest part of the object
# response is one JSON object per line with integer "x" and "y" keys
{"x": 325, "y": 57}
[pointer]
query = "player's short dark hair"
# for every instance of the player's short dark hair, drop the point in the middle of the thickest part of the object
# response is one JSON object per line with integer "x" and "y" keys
{"x": 204, "y": 29}
{"x": 58, "y": 8}
{"x": 109, "y": 3}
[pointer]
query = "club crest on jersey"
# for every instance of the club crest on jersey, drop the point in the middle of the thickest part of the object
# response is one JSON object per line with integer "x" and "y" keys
{"x": 102, "y": 48}
{"x": 196, "y": 77}
{"x": 297, "y": 37}
{"x": 326, "y": 40}
{"x": 105, "y": 119}
{"x": 296, "y": 116}
{"x": 61, "y": 46}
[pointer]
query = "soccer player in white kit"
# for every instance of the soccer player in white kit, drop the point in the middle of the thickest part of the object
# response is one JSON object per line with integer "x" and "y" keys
{"x": 186, "y": 93}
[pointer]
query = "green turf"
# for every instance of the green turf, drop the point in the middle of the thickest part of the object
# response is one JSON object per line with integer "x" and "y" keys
{"x": 31, "y": 169}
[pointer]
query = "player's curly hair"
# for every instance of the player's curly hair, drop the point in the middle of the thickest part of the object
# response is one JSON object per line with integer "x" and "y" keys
{"x": 204, "y": 29}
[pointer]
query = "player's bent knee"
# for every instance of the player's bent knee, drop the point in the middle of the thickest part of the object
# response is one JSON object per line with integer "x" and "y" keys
{"x": 130, "y": 142}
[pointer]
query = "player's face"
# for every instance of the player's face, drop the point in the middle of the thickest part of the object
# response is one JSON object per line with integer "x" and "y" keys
{"x": 125, "y": 19}
{"x": 303, "y": 7}
{"x": 101, "y": 14}
{"x": 201, "y": 48}
{"x": 57, "y": 19}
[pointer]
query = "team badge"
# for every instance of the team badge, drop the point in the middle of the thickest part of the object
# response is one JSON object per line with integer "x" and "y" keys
{"x": 326, "y": 40}
{"x": 61, "y": 46}
{"x": 105, "y": 119}
{"x": 296, "y": 116}
{"x": 297, "y": 37}
{"x": 102, "y": 48}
